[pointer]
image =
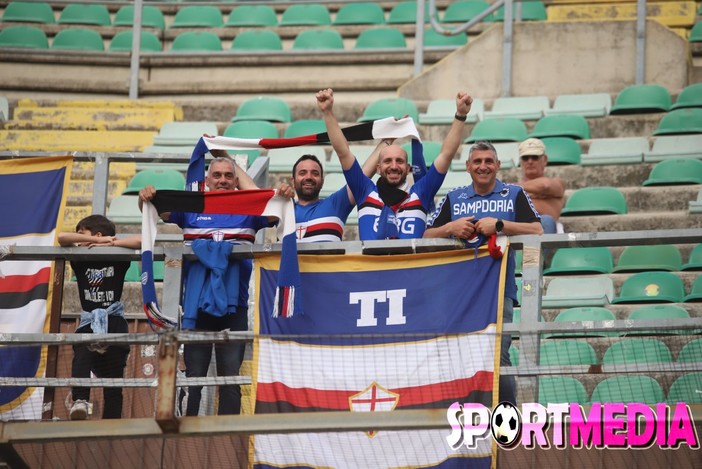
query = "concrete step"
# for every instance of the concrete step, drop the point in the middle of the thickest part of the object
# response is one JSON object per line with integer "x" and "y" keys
{"x": 658, "y": 220}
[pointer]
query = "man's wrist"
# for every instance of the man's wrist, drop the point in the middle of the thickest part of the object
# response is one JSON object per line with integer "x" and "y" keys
{"x": 460, "y": 117}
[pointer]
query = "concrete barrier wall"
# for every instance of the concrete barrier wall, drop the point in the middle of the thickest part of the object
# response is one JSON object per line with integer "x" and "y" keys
{"x": 557, "y": 58}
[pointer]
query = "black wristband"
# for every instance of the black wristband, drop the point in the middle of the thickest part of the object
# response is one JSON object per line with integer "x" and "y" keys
{"x": 459, "y": 117}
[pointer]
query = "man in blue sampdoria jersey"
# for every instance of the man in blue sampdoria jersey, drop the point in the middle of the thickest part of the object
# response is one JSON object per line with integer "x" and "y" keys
{"x": 320, "y": 220}
{"x": 198, "y": 310}
{"x": 481, "y": 209}
{"x": 385, "y": 211}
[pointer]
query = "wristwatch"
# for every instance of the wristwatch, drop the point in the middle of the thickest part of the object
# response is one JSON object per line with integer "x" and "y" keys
{"x": 499, "y": 225}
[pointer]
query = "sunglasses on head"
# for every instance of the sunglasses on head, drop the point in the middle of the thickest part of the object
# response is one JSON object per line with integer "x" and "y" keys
{"x": 530, "y": 157}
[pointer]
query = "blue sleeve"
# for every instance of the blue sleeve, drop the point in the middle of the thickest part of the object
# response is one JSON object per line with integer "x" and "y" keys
{"x": 341, "y": 204}
{"x": 360, "y": 184}
{"x": 427, "y": 187}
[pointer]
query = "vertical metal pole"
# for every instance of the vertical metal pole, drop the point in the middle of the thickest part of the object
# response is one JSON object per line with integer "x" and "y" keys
{"x": 507, "y": 50}
{"x": 101, "y": 178}
{"x": 136, "y": 50}
{"x": 640, "y": 41}
{"x": 419, "y": 39}
{"x": 54, "y": 328}
{"x": 532, "y": 273}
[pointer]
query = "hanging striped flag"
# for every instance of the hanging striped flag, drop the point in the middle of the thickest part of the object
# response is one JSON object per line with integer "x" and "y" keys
{"x": 380, "y": 333}
{"x": 262, "y": 202}
{"x": 33, "y": 192}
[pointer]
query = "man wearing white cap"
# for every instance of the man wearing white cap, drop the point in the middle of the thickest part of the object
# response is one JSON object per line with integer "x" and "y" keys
{"x": 547, "y": 194}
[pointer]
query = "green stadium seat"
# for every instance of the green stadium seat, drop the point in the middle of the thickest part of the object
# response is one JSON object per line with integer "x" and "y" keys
{"x": 695, "y": 295}
{"x": 518, "y": 261}
{"x": 28, "y": 12}
{"x": 651, "y": 257}
{"x": 252, "y": 15}
{"x": 196, "y": 41}
{"x": 696, "y": 205}
{"x": 463, "y": 11}
{"x": 303, "y": 127}
{"x": 680, "y": 121}
{"x": 124, "y": 209}
{"x": 122, "y": 42}
{"x": 198, "y": 16}
{"x": 361, "y": 152}
{"x": 160, "y": 178}
{"x": 637, "y": 350}
{"x": 660, "y": 312}
{"x": 134, "y": 272}
{"x": 586, "y": 105}
{"x": 251, "y": 129}
{"x": 259, "y": 39}
{"x": 406, "y": 12}
{"x": 360, "y": 13}
{"x": 687, "y": 388}
{"x": 504, "y": 129}
{"x": 312, "y": 14}
{"x": 595, "y": 201}
{"x": 691, "y": 352}
{"x": 431, "y": 150}
{"x": 514, "y": 355}
{"x": 81, "y": 13}
{"x": 623, "y": 150}
{"x": 567, "y": 292}
{"x": 380, "y": 38}
{"x": 452, "y": 180}
{"x": 593, "y": 260}
{"x": 641, "y": 99}
{"x": 627, "y": 389}
{"x": 332, "y": 183}
{"x": 675, "y": 172}
{"x": 561, "y": 151}
{"x": 26, "y": 37}
{"x": 441, "y": 111}
{"x": 651, "y": 287}
{"x": 674, "y": 146}
{"x": 184, "y": 133}
{"x": 694, "y": 262}
{"x": 151, "y": 17}
{"x": 561, "y": 390}
{"x": 281, "y": 160}
{"x": 264, "y": 108}
{"x": 588, "y": 313}
{"x": 433, "y": 38}
{"x": 696, "y": 32}
{"x": 531, "y": 11}
{"x": 520, "y": 107}
{"x": 567, "y": 352}
{"x": 690, "y": 96}
{"x": 78, "y": 39}
{"x": 318, "y": 39}
{"x": 390, "y": 107}
{"x": 562, "y": 125}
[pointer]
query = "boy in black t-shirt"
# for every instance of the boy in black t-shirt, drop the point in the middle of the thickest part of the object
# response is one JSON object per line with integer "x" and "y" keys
{"x": 100, "y": 286}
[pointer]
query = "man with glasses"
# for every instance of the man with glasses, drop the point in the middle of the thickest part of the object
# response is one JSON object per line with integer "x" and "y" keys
{"x": 547, "y": 194}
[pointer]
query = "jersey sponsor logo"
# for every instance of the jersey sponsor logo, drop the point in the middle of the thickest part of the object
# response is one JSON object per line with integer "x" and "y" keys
{"x": 483, "y": 206}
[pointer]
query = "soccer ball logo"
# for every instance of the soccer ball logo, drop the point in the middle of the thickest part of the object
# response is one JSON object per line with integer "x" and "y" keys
{"x": 506, "y": 424}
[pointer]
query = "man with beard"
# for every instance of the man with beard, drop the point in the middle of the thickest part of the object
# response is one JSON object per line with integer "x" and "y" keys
{"x": 385, "y": 210}
{"x": 320, "y": 220}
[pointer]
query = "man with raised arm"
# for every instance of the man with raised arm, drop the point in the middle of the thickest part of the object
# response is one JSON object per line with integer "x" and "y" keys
{"x": 320, "y": 220}
{"x": 385, "y": 210}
